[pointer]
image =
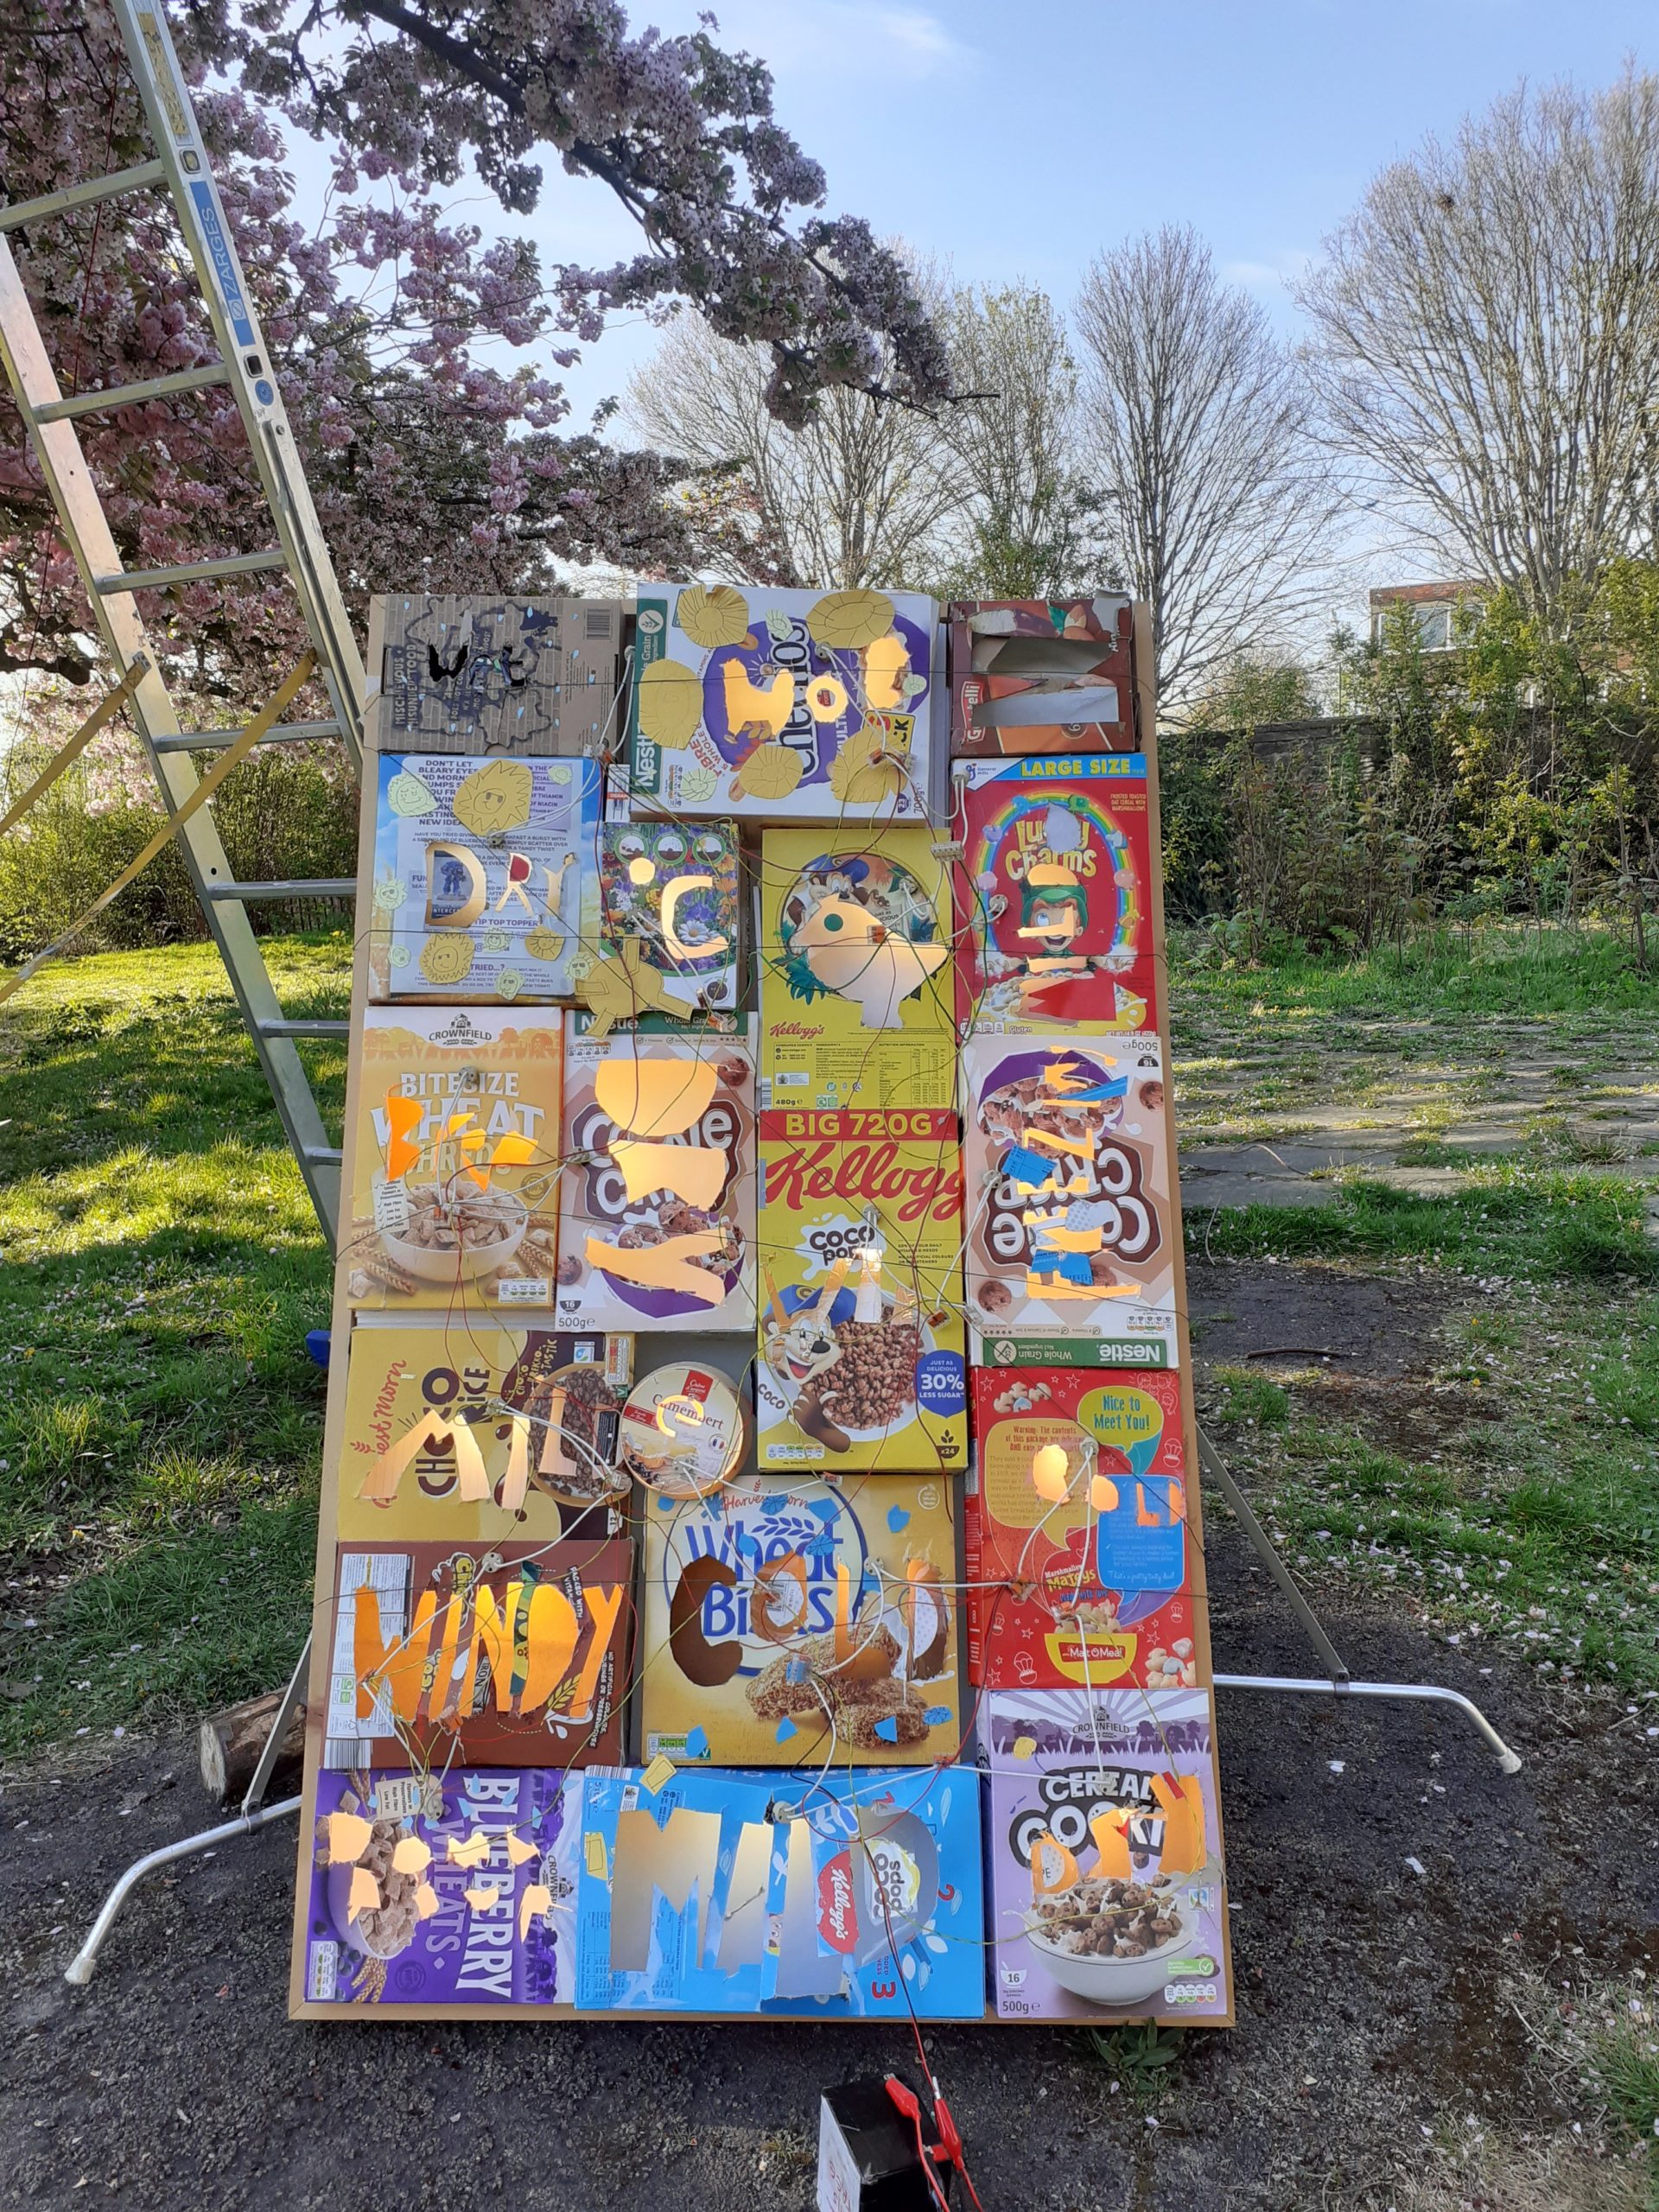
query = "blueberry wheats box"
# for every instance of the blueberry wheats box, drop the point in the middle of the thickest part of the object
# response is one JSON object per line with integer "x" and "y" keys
{"x": 1108, "y": 1902}
{"x": 429, "y": 1890}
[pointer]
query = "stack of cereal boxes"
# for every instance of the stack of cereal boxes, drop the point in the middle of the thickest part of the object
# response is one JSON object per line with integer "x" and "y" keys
{"x": 760, "y": 1564}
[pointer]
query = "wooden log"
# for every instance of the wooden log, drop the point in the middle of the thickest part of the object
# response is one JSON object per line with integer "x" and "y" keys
{"x": 233, "y": 1740}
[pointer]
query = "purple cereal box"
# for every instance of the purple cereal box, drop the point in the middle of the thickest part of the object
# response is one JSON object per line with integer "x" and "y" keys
{"x": 1108, "y": 1899}
{"x": 395, "y": 1919}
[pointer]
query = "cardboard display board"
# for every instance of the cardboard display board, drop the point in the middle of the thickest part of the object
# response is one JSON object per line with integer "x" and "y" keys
{"x": 761, "y": 1560}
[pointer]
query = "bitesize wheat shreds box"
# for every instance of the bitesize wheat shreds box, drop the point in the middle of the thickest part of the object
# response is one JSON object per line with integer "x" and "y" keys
{"x": 861, "y": 1337}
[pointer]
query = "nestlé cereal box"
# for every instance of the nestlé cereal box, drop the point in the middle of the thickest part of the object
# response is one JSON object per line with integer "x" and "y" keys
{"x": 1078, "y": 1553}
{"x": 861, "y": 1335}
{"x": 782, "y": 705}
{"x": 787, "y": 1622}
{"x": 1071, "y": 1227}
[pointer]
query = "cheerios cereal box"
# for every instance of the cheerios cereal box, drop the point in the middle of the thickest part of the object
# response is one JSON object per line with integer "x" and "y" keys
{"x": 791, "y": 1622}
{"x": 1079, "y": 1550}
{"x": 860, "y": 1360}
{"x": 455, "y": 1186}
{"x": 783, "y": 705}
{"x": 486, "y": 877}
{"x": 1107, "y": 1898}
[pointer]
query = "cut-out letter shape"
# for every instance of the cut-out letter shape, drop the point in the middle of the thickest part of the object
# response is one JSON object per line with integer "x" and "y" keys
{"x": 1052, "y": 1867}
{"x": 434, "y": 1430}
{"x": 779, "y": 1609}
{"x": 675, "y": 1862}
{"x": 752, "y": 706}
{"x": 887, "y": 663}
{"x": 694, "y": 1173}
{"x": 1181, "y": 1796}
{"x": 426, "y": 1902}
{"x": 704, "y": 1664}
{"x": 1049, "y": 1470}
{"x": 622, "y": 988}
{"x": 667, "y": 1266}
{"x": 669, "y": 697}
{"x": 674, "y": 890}
{"x": 410, "y": 1855}
{"x": 473, "y": 1852}
{"x": 520, "y": 1850}
{"x": 484, "y": 1897}
{"x": 1111, "y": 1830}
{"x": 1102, "y": 1494}
{"x": 477, "y": 888}
{"x": 537, "y": 1901}
{"x": 849, "y": 952}
{"x": 655, "y": 1098}
{"x": 403, "y": 1119}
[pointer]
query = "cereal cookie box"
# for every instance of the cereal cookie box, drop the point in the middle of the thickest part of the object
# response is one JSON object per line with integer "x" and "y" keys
{"x": 857, "y": 1004}
{"x": 1066, "y": 1157}
{"x": 455, "y": 1890}
{"x": 485, "y": 882}
{"x": 1055, "y": 894}
{"x": 861, "y": 1335}
{"x": 1107, "y": 1898}
{"x": 784, "y": 1622}
{"x": 471, "y": 1431}
{"x": 1078, "y": 1565}
{"x": 454, "y": 1189}
{"x": 656, "y": 1199}
{"x": 782, "y": 705}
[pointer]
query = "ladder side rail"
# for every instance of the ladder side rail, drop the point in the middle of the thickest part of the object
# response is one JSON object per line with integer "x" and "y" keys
{"x": 57, "y": 449}
{"x": 201, "y": 213}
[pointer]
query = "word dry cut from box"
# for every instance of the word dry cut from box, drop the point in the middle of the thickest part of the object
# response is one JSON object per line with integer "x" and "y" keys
{"x": 759, "y": 1566}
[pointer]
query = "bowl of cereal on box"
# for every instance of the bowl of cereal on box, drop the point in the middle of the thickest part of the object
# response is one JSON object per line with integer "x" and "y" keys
{"x": 1108, "y": 1940}
{"x": 847, "y": 1368}
{"x": 384, "y": 1930}
{"x": 450, "y": 1238}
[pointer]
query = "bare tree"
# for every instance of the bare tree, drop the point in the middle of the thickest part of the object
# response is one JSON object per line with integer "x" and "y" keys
{"x": 1486, "y": 336}
{"x": 1013, "y": 440}
{"x": 857, "y": 495}
{"x": 1218, "y": 507}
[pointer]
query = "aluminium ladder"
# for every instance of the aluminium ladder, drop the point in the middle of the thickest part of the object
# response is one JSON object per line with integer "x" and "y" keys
{"x": 180, "y": 170}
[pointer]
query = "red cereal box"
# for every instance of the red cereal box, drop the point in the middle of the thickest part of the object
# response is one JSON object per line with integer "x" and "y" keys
{"x": 1079, "y": 1554}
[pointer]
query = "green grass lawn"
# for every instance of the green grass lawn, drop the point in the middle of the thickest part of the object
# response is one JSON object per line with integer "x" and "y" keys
{"x": 159, "y": 1437}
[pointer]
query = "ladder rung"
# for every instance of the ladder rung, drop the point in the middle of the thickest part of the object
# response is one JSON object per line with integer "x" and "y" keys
{"x": 305, "y": 1028}
{"x": 321, "y": 886}
{"x": 210, "y": 740}
{"x": 325, "y": 1155}
{"x": 133, "y": 395}
{"x": 235, "y": 565}
{"x": 82, "y": 195}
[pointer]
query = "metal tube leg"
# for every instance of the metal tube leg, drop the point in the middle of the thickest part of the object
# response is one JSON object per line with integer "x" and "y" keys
{"x": 80, "y": 1970}
{"x": 1423, "y": 1693}
{"x": 1212, "y": 1462}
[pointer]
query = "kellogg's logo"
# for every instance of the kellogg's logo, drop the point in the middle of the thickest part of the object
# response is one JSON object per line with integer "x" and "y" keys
{"x": 871, "y": 1174}
{"x": 838, "y": 1905}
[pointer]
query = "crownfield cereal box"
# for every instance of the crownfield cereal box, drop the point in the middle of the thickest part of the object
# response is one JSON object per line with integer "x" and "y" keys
{"x": 861, "y": 1335}
{"x": 455, "y": 1198}
{"x": 1108, "y": 1902}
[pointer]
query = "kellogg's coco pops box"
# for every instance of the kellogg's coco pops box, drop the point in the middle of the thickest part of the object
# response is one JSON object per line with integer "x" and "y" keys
{"x": 1071, "y": 1226}
{"x": 782, "y": 705}
{"x": 1079, "y": 1556}
{"x": 455, "y": 1185}
{"x": 861, "y": 1335}
{"x": 1107, "y": 1898}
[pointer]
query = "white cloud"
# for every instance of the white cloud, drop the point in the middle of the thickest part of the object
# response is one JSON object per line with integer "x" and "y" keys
{"x": 1269, "y": 276}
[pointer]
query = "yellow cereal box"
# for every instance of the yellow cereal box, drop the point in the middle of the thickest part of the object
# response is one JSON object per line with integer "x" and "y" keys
{"x": 860, "y": 1357}
{"x": 856, "y": 981}
{"x": 454, "y": 1185}
{"x": 800, "y": 1622}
